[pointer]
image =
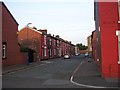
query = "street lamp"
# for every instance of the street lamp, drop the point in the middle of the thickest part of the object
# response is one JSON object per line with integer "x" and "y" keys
{"x": 27, "y": 61}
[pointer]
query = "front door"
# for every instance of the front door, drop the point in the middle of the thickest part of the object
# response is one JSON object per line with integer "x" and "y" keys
{"x": 31, "y": 56}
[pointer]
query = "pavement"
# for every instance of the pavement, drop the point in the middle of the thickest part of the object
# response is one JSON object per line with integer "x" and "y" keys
{"x": 87, "y": 74}
{"x": 14, "y": 68}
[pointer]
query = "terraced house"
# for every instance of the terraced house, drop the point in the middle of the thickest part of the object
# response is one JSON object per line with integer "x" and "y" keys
{"x": 29, "y": 38}
{"x": 107, "y": 22}
{"x": 45, "y": 45}
{"x": 28, "y": 44}
{"x": 11, "y": 54}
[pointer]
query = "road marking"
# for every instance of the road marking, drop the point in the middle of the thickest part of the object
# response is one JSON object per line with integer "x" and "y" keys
{"x": 88, "y": 86}
{"x": 84, "y": 85}
{"x": 77, "y": 68}
{"x": 48, "y": 61}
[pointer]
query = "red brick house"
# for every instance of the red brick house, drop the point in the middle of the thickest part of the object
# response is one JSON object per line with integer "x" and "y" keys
{"x": 58, "y": 51}
{"x": 59, "y": 47}
{"x": 44, "y": 44}
{"x": 31, "y": 38}
{"x": 47, "y": 46}
{"x": 89, "y": 44}
{"x": 93, "y": 40}
{"x": 54, "y": 45}
{"x": 10, "y": 49}
{"x": 62, "y": 47}
{"x": 72, "y": 49}
{"x": 50, "y": 46}
{"x": 107, "y": 41}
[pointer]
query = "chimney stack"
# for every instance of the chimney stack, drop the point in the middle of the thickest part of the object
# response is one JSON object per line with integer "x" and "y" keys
{"x": 43, "y": 31}
{"x": 57, "y": 36}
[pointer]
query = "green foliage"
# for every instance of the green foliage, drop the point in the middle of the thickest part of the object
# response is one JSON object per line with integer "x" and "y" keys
{"x": 23, "y": 49}
{"x": 81, "y": 46}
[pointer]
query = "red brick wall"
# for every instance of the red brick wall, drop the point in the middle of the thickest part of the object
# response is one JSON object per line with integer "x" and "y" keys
{"x": 109, "y": 45}
{"x": 94, "y": 53}
{"x": 43, "y": 46}
{"x": 54, "y": 47}
{"x": 9, "y": 30}
{"x": 32, "y": 35}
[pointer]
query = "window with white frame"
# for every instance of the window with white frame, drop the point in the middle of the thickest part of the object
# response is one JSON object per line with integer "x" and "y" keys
{"x": 57, "y": 43}
{"x": 45, "y": 40}
{"x": 50, "y": 42}
{"x": 4, "y": 50}
{"x": 118, "y": 34}
{"x": 50, "y": 52}
{"x": 45, "y": 51}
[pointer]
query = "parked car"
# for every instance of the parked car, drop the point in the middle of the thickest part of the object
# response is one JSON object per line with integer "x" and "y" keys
{"x": 86, "y": 54}
{"x": 66, "y": 56}
{"x": 77, "y": 54}
{"x": 90, "y": 55}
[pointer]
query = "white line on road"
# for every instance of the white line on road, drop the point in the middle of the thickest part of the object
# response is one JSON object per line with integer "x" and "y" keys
{"x": 88, "y": 86}
{"x": 47, "y": 61}
{"x": 77, "y": 68}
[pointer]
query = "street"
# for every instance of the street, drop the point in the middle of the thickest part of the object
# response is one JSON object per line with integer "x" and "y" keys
{"x": 54, "y": 74}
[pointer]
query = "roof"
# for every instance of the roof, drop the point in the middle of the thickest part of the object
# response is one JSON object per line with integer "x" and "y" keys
{"x": 31, "y": 29}
{"x": 9, "y": 12}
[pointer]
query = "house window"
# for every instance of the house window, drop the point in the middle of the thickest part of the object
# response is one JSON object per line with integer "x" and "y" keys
{"x": 54, "y": 51}
{"x": 44, "y": 39}
{"x": 54, "y": 42}
{"x": 4, "y": 50}
{"x": 118, "y": 34}
{"x": 50, "y": 52}
{"x": 50, "y": 42}
{"x": 45, "y": 51}
{"x": 119, "y": 48}
{"x": 57, "y": 43}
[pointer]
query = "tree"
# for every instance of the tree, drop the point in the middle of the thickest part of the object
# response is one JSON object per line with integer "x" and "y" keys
{"x": 33, "y": 44}
{"x": 81, "y": 46}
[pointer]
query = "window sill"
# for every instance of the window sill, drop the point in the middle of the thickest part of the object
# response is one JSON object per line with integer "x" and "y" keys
{"x": 4, "y": 58}
{"x": 119, "y": 22}
{"x": 118, "y": 62}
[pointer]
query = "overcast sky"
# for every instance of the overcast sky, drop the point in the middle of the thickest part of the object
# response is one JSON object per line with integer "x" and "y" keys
{"x": 73, "y": 20}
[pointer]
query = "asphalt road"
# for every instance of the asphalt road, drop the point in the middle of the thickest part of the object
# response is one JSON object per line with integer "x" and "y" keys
{"x": 54, "y": 74}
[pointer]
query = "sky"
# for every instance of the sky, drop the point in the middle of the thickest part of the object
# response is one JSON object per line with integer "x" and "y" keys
{"x": 72, "y": 20}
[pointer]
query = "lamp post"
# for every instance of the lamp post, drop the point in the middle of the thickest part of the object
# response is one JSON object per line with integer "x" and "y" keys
{"x": 27, "y": 61}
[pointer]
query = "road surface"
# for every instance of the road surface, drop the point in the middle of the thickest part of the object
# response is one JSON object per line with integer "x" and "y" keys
{"x": 54, "y": 74}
